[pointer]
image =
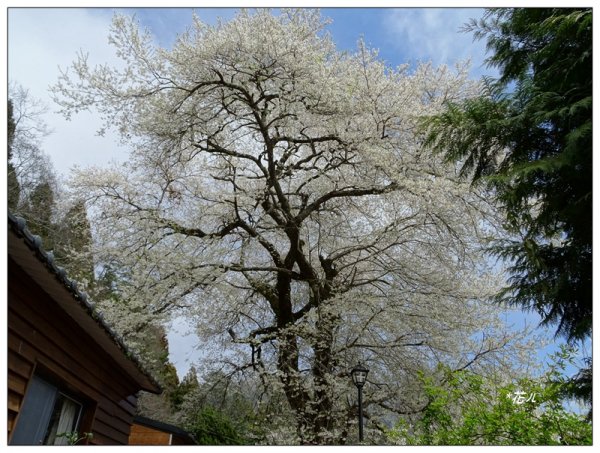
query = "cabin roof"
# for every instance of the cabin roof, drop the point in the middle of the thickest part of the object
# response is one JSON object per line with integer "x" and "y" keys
{"x": 26, "y": 249}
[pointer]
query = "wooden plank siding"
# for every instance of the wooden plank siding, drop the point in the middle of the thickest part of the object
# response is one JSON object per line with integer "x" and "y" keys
{"x": 146, "y": 431}
{"x": 145, "y": 435}
{"x": 43, "y": 339}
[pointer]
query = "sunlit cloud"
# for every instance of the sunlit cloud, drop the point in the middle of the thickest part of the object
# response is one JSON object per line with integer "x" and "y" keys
{"x": 434, "y": 34}
{"x": 42, "y": 40}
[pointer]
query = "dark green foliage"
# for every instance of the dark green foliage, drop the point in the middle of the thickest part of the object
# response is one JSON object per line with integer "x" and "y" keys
{"x": 13, "y": 188}
{"x": 154, "y": 347}
{"x": 37, "y": 209}
{"x": 222, "y": 399}
{"x": 548, "y": 53}
{"x": 106, "y": 284}
{"x": 209, "y": 426}
{"x": 529, "y": 138}
{"x": 579, "y": 387}
{"x": 73, "y": 242}
{"x": 11, "y": 128}
{"x": 188, "y": 385}
{"x": 68, "y": 237}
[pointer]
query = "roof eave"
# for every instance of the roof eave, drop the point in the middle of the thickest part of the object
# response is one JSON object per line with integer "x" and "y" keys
{"x": 26, "y": 250}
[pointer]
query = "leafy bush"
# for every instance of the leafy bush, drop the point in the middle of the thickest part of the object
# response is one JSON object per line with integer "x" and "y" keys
{"x": 212, "y": 427}
{"x": 465, "y": 409}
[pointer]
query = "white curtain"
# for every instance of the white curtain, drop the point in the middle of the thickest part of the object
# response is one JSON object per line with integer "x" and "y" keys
{"x": 66, "y": 423}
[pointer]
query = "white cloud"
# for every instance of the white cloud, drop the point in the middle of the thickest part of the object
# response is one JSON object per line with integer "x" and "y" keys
{"x": 40, "y": 40}
{"x": 433, "y": 34}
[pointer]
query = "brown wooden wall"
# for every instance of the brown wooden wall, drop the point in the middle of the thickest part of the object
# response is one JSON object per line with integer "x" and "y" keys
{"x": 44, "y": 339}
{"x": 144, "y": 435}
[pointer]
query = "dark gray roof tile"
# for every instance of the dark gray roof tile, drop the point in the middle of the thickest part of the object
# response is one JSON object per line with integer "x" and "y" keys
{"x": 19, "y": 226}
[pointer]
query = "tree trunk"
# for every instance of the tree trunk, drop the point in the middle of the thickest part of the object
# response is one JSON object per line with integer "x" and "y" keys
{"x": 322, "y": 404}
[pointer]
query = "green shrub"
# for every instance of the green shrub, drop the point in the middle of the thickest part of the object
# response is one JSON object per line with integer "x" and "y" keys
{"x": 211, "y": 427}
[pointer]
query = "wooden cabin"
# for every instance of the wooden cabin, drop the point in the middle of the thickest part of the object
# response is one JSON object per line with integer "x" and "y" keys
{"x": 69, "y": 374}
{"x": 146, "y": 431}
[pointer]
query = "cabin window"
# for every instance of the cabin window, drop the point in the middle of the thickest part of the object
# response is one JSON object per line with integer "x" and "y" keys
{"x": 46, "y": 416}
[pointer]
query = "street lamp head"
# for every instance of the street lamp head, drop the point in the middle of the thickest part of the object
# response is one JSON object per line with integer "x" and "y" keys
{"x": 359, "y": 375}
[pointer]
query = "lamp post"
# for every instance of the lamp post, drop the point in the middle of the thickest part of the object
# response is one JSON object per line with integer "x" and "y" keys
{"x": 359, "y": 377}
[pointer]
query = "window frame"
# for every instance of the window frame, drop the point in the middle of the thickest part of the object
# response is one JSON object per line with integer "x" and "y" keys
{"x": 41, "y": 421}
{"x": 55, "y": 420}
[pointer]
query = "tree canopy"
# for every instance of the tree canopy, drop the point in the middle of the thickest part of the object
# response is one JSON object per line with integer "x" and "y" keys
{"x": 277, "y": 191}
{"x": 530, "y": 139}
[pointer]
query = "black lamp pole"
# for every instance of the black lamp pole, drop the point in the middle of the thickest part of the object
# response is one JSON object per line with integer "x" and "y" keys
{"x": 359, "y": 377}
{"x": 360, "y": 416}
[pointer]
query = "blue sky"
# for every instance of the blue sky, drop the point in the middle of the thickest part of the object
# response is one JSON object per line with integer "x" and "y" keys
{"x": 40, "y": 40}
{"x": 401, "y": 34}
